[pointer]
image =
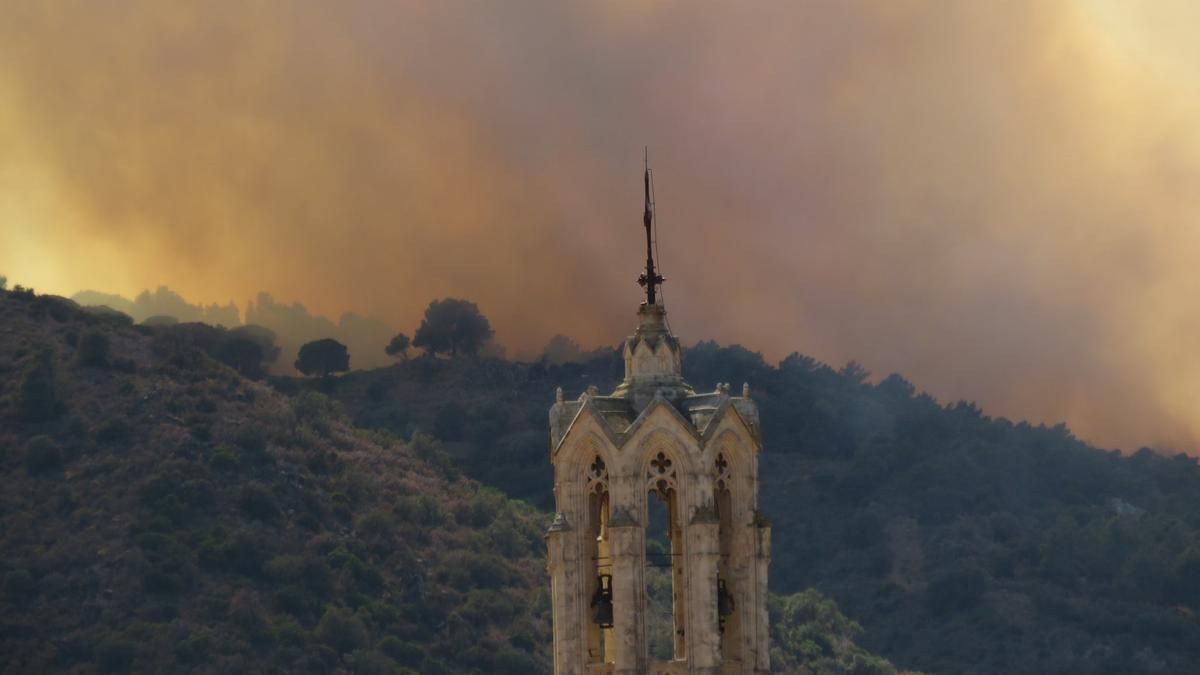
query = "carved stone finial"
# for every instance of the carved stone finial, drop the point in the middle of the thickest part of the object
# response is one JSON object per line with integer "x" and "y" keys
{"x": 558, "y": 395}
{"x": 560, "y": 524}
{"x": 745, "y": 390}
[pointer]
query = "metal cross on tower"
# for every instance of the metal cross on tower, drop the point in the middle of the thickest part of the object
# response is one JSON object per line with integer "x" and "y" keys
{"x": 650, "y": 279}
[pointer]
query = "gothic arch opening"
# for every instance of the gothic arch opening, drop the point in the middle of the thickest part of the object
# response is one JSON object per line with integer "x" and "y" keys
{"x": 665, "y": 635}
{"x": 728, "y": 616}
{"x": 597, "y": 550}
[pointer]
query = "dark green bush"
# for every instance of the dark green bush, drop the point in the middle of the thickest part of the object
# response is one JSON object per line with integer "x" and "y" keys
{"x": 200, "y": 430}
{"x": 42, "y": 456}
{"x": 956, "y": 591}
{"x": 93, "y": 349}
{"x": 258, "y": 502}
{"x": 341, "y": 630}
{"x": 450, "y": 422}
{"x": 39, "y": 400}
{"x": 405, "y": 653}
{"x": 252, "y": 445}
{"x": 114, "y": 430}
{"x": 224, "y": 459}
{"x": 18, "y": 585}
{"x": 114, "y": 654}
{"x": 289, "y": 633}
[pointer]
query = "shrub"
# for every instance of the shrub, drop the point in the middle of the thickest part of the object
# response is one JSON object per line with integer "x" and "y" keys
{"x": 224, "y": 459}
{"x": 93, "y": 349}
{"x": 341, "y": 630}
{"x": 253, "y": 445}
{"x": 201, "y": 431}
{"x": 375, "y": 525}
{"x": 957, "y": 590}
{"x": 195, "y": 648}
{"x": 18, "y": 585}
{"x": 115, "y": 429}
{"x": 39, "y": 400}
{"x": 257, "y": 502}
{"x": 42, "y": 456}
{"x": 248, "y": 614}
{"x": 405, "y": 653}
{"x": 114, "y": 654}
{"x": 450, "y": 421}
{"x": 291, "y": 600}
{"x": 288, "y": 633}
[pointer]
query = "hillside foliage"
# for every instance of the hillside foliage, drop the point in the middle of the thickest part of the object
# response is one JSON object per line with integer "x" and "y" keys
{"x": 170, "y": 515}
{"x": 962, "y": 543}
{"x": 163, "y": 512}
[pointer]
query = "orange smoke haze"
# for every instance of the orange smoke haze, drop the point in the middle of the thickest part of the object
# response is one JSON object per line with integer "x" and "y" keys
{"x": 995, "y": 199}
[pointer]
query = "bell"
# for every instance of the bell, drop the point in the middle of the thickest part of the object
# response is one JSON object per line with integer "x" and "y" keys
{"x": 724, "y": 600}
{"x": 602, "y": 602}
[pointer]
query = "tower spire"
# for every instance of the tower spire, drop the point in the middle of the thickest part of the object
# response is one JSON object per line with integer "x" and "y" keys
{"x": 650, "y": 279}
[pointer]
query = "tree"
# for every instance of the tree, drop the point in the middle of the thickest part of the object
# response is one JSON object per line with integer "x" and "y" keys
{"x": 243, "y": 355}
{"x": 322, "y": 357}
{"x": 341, "y": 630}
{"x": 452, "y": 326}
{"x": 398, "y": 346}
{"x": 562, "y": 349}
{"x": 42, "y": 456}
{"x": 38, "y": 399}
{"x": 262, "y": 336}
{"x": 160, "y": 320}
{"x": 93, "y": 349}
{"x": 246, "y": 349}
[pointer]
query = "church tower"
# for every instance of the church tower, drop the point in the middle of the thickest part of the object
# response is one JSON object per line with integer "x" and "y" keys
{"x": 657, "y": 554}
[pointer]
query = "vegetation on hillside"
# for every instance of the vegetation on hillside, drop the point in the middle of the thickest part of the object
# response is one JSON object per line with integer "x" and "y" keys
{"x": 164, "y": 513}
{"x": 962, "y": 543}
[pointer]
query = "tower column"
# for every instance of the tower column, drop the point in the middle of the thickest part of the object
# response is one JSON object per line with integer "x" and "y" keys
{"x": 563, "y": 569}
{"x": 703, "y": 556}
{"x": 762, "y": 559}
{"x": 629, "y": 603}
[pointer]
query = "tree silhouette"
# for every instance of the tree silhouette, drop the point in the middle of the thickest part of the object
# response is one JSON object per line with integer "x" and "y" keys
{"x": 243, "y": 355}
{"x": 322, "y": 357}
{"x": 398, "y": 346}
{"x": 452, "y": 326}
{"x": 262, "y": 336}
{"x": 38, "y": 398}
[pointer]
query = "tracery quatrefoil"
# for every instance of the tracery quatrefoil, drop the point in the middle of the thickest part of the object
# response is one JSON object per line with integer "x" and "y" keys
{"x": 661, "y": 475}
{"x": 598, "y": 476}
{"x": 661, "y": 464}
{"x": 722, "y": 471}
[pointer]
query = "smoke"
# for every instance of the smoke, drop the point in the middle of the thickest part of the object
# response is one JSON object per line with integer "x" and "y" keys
{"x": 364, "y": 337}
{"x": 994, "y": 200}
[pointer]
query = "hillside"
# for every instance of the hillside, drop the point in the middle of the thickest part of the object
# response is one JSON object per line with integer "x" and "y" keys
{"x": 962, "y": 543}
{"x": 163, "y": 514}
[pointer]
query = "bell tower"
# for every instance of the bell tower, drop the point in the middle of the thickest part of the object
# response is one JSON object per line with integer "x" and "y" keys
{"x": 657, "y": 554}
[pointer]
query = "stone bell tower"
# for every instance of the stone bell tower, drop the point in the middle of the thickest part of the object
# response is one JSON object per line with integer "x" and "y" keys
{"x": 686, "y": 593}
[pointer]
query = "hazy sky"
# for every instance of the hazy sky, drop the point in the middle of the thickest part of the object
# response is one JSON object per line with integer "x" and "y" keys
{"x": 997, "y": 199}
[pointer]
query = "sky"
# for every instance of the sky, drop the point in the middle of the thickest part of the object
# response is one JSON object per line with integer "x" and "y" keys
{"x": 996, "y": 200}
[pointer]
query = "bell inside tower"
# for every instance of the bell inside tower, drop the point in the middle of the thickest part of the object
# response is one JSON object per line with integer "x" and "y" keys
{"x": 599, "y": 643}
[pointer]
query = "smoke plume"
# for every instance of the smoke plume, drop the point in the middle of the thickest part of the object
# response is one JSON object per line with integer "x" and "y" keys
{"x": 996, "y": 200}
